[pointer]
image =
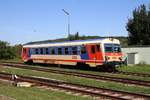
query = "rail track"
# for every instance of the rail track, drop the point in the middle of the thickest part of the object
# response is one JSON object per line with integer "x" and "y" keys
{"x": 83, "y": 89}
{"x": 133, "y": 74}
{"x": 117, "y": 72}
{"x": 79, "y": 74}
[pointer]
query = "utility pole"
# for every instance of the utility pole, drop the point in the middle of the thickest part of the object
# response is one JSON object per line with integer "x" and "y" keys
{"x": 68, "y": 21}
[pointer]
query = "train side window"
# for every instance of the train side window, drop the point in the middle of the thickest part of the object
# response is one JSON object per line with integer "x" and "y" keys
{"x": 74, "y": 50}
{"x": 52, "y": 51}
{"x": 32, "y": 51}
{"x": 98, "y": 47}
{"x": 41, "y": 50}
{"x": 66, "y": 51}
{"x": 46, "y": 50}
{"x": 92, "y": 49}
{"x": 83, "y": 50}
{"x": 59, "y": 51}
{"x": 36, "y": 51}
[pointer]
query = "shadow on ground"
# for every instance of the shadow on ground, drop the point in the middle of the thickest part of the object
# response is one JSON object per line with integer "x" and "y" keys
{"x": 81, "y": 67}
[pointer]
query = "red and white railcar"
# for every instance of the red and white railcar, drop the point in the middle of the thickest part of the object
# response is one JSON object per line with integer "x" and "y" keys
{"x": 94, "y": 52}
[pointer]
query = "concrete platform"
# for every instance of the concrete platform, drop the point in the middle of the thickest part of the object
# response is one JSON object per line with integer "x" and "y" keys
{"x": 2, "y": 97}
{"x": 24, "y": 84}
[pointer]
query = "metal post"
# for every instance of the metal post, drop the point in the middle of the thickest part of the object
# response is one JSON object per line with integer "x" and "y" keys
{"x": 68, "y": 20}
{"x": 68, "y": 25}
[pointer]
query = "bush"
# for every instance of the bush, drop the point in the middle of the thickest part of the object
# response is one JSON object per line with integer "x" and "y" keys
{"x": 6, "y": 51}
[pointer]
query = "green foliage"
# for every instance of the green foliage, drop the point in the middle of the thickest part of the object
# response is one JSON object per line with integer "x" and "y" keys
{"x": 34, "y": 93}
{"x": 17, "y": 50}
{"x": 136, "y": 69}
{"x": 6, "y": 51}
{"x": 139, "y": 26}
{"x": 73, "y": 36}
{"x": 79, "y": 80}
{"x": 9, "y": 52}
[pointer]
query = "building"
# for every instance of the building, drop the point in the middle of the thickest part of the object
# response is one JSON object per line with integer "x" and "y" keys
{"x": 136, "y": 54}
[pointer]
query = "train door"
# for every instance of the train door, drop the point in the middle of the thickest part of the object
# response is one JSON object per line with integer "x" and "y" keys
{"x": 84, "y": 53}
{"x": 98, "y": 52}
{"x": 95, "y": 53}
{"x": 24, "y": 53}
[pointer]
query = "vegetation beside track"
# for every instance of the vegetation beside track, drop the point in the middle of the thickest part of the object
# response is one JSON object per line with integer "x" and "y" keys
{"x": 15, "y": 60}
{"x": 116, "y": 75}
{"x": 136, "y": 69}
{"x": 98, "y": 73}
{"x": 78, "y": 80}
{"x": 33, "y": 93}
{"x": 145, "y": 69}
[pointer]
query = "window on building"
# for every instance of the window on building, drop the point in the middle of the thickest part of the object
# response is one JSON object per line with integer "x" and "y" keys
{"x": 52, "y": 51}
{"x": 92, "y": 49}
{"x": 66, "y": 51}
{"x": 83, "y": 50}
{"x": 59, "y": 51}
{"x": 74, "y": 50}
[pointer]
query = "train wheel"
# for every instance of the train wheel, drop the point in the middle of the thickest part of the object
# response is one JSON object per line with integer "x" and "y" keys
{"x": 82, "y": 66}
{"x": 30, "y": 62}
{"x": 107, "y": 68}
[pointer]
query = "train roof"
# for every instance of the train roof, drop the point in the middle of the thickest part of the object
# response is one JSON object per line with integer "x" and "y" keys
{"x": 73, "y": 43}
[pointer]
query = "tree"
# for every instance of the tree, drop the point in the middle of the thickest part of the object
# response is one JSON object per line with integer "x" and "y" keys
{"x": 6, "y": 51}
{"x": 138, "y": 27}
{"x": 74, "y": 36}
{"x": 17, "y": 50}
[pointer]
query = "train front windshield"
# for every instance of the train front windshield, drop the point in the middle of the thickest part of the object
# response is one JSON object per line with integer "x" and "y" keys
{"x": 112, "y": 48}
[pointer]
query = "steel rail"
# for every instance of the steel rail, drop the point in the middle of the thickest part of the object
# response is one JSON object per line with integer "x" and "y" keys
{"x": 83, "y": 89}
{"x": 79, "y": 74}
{"x": 117, "y": 72}
{"x": 132, "y": 73}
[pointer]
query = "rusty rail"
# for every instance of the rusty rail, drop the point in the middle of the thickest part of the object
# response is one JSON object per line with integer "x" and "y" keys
{"x": 83, "y": 89}
{"x": 91, "y": 76}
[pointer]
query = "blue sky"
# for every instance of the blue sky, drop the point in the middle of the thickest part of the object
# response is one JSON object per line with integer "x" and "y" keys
{"x": 22, "y": 21}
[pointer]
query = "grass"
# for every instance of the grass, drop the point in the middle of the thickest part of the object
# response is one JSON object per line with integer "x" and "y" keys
{"x": 33, "y": 93}
{"x": 102, "y": 73}
{"x": 12, "y": 60}
{"x": 136, "y": 68}
{"x": 78, "y": 80}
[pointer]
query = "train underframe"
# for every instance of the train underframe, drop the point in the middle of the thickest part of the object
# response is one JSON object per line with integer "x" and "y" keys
{"x": 105, "y": 66}
{"x": 111, "y": 66}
